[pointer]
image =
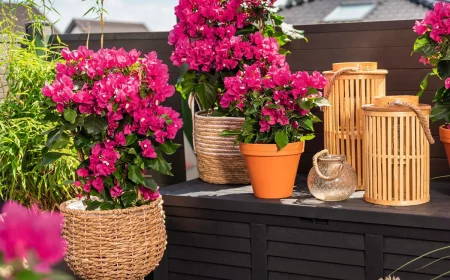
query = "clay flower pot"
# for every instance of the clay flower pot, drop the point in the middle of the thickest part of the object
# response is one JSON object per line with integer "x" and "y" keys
{"x": 444, "y": 135}
{"x": 272, "y": 172}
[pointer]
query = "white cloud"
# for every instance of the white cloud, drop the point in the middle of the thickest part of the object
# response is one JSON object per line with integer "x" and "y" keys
{"x": 158, "y": 15}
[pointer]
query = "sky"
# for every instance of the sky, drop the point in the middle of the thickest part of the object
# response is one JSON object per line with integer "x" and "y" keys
{"x": 157, "y": 15}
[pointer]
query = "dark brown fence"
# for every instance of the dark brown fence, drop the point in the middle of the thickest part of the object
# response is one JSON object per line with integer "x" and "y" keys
{"x": 388, "y": 43}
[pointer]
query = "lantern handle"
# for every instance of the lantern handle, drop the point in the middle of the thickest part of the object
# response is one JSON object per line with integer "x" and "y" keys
{"x": 191, "y": 103}
{"x": 334, "y": 78}
{"x": 424, "y": 122}
{"x": 319, "y": 173}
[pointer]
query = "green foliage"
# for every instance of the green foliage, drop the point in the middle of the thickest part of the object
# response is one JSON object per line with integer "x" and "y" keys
{"x": 438, "y": 55}
{"x": 24, "y": 177}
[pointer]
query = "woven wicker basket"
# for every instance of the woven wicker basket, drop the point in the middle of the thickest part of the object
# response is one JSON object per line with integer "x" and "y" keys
{"x": 219, "y": 160}
{"x": 115, "y": 244}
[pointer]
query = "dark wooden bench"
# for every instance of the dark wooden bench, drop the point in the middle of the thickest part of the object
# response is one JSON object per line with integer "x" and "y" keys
{"x": 224, "y": 232}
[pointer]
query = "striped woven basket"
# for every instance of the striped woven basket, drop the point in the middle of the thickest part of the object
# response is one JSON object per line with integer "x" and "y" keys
{"x": 219, "y": 160}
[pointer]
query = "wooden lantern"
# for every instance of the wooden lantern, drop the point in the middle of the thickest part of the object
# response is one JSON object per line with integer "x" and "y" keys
{"x": 396, "y": 148}
{"x": 350, "y": 86}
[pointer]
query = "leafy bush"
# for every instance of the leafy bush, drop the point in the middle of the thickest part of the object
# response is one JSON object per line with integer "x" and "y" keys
{"x": 22, "y": 132}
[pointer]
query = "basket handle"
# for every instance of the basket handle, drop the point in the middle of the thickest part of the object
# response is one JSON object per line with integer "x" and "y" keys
{"x": 319, "y": 173}
{"x": 191, "y": 103}
{"x": 422, "y": 118}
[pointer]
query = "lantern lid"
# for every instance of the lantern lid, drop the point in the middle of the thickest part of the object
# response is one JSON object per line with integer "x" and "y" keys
{"x": 363, "y": 68}
{"x": 388, "y": 104}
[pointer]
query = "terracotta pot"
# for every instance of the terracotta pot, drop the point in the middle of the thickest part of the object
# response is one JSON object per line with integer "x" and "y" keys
{"x": 272, "y": 172}
{"x": 444, "y": 135}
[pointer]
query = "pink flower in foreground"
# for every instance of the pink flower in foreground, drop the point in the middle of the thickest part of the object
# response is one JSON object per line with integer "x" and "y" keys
{"x": 82, "y": 172}
{"x": 98, "y": 184}
{"x": 25, "y": 233}
{"x": 420, "y": 27}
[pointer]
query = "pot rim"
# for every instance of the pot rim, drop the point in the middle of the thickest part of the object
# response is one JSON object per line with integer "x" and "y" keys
{"x": 251, "y": 149}
{"x": 332, "y": 158}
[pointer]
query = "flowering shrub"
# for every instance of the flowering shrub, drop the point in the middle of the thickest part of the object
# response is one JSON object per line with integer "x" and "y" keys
{"x": 110, "y": 102}
{"x": 277, "y": 103}
{"x": 214, "y": 39}
{"x": 31, "y": 236}
{"x": 433, "y": 44}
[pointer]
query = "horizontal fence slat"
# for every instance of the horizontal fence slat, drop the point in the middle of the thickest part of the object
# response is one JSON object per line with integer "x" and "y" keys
{"x": 315, "y": 237}
{"x": 208, "y": 226}
{"x": 209, "y": 256}
{"x": 209, "y": 270}
{"x": 328, "y": 270}
{"x": 198, "y": 240}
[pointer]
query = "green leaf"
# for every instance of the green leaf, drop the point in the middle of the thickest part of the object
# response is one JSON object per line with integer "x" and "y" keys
{"x": 118, "y": 174}
{"x": 135, "y": 174}
{"x": 28, "y": 275}
{"x": 439, "y": 111}
{"x": 92, "y": 205}
{"x": 206, "y": 94}
{"x": 57, "y": 139}
{"x": 106, "y": 206}
{"x": 187, "y": 84}
{"x": 227, "y": 133}
{"x": 50, "y": 102}
{"x": 132, "y": 151}
{"x": 281, "y": 139}
{"x": 131, "y": 138}
{"x": 440, "y": 95}
{"x": 68, "y": 182}
{"x": 160, "y": 165}
{"x": 183, "y": 69}
{"x": 424, "y": 84}
{"x": 169, "y": 147}
{"x": 421, "y": 43}
{"x": 70, "y": 115}
{"x": 443, "y": 68}
{"x": 51, "y": 157}
{"x": 322, "y": 102}
{"x": 306, "y": 124}
{"x": 80, "y": 141}
{"x": 307, "y": 137}
{"x": 58, "y": 275}
{"x": 95, "y": 125}
{"x": 149, "y": 183}
{"x": 129, "y": 198}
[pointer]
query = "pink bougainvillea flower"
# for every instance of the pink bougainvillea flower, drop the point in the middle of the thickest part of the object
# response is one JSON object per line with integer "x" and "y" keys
{"x": 148, "y": 194}
{"x": 25, "y": 233}
{"x": 116, "y": 191}
{"x": 83, "y": 172}
{"x": 447, "y": 83}
{"x": 98, "y": 184}
{"x": 147, "y": 149}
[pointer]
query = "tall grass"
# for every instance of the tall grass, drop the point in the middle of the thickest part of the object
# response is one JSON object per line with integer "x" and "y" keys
{"x": 22, "y": 130}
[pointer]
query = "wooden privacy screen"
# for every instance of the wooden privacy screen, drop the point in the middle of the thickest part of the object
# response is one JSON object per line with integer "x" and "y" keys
{"x": 388, "y": 43}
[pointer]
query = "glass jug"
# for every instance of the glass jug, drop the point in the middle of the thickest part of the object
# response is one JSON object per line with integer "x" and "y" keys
{"x": 331, "y": 178}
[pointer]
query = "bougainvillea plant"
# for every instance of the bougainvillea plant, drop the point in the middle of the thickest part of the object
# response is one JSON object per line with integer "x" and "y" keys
{"x": 109, "y": 102}
{"x": 214, "y": 39}
{"x": 433, "y": 44}
{"x": 30, "y": 243}
{"x": 276, "y": 103}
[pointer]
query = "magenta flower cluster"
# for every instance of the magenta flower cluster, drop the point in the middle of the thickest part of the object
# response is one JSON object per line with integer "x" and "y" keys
{"x": 31, "y": 235}
{"x": 437, "y": 21}
{"x": 285, "y": 91}
{"x": 127, "y": 92}
{"x": 206, "y": 36}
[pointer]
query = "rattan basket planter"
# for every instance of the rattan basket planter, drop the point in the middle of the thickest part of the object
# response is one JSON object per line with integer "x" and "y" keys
{"x": 115, "y": 244}
{"x": 397, "y": 152}
{"x": 219, "y": 160}
{"x": 351, "y": 85}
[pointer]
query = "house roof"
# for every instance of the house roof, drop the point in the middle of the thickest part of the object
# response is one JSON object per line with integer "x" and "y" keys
{"x": 21, "y": 14}
{"x": 93, "y": 26}
{"x": 301, "y": 12}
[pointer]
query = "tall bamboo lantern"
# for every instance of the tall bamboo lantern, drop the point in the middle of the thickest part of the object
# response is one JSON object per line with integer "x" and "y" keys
{"x": 351, "y": 85}
{"x": 396, "y": 151}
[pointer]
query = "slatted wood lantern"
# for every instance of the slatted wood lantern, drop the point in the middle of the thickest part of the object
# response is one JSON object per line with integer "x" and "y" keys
{"x": 351, "y": 85}
{"x": 397, "y": 151}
